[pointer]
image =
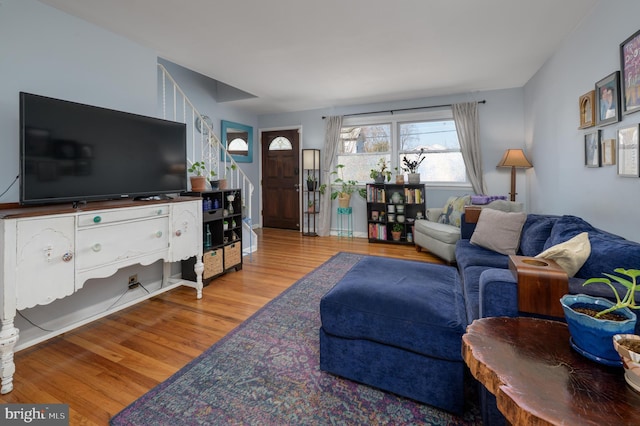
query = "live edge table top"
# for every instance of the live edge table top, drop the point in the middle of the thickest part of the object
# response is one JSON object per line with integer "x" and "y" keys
{"x": 528, "y": 364}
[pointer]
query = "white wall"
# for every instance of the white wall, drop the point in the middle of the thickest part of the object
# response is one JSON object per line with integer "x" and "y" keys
{"x": 559, "y": 182}
{"x": 501, "y": 127}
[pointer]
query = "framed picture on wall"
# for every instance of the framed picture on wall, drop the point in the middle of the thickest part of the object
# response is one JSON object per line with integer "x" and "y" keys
{"x": 587, "y": 110}
{"x": 628, "y": 160}
{"x": 608, "y": 152}
{"x": 608, "y": 99}
{"x": 592, "y": 149}
{"x": 630, "y": 66}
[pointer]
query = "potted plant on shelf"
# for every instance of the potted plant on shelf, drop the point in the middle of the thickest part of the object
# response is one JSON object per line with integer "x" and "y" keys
{"x": 311, "y": 206}
{"x": 344, "y": 188}
{"x": 396, "y": 231}
{"x": 378, "y": 175}
{"x": 312, "y": 182}
{"x": 198, "y": 180}
{"x": 593, "y": 321}
{"x": 411, "y": 167}
{"x": 223, "y": 181}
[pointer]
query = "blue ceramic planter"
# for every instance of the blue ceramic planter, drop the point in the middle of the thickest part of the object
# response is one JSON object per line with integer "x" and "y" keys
{"x": 593, "y": 337}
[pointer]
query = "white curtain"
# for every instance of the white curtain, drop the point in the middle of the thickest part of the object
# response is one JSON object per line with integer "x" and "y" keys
{"x": 466, "y": 117}
{"x": 331, "y": 144}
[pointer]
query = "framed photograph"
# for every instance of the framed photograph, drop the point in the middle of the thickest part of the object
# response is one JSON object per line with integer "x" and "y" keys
{"x": 628, "y": 160}
{"x": 587, "y": 110}
{"x": 630, "y": 66}
{"x": 608, "y": 152}
{"x": 608, "y": 99}
{"x": 592, "y": 149}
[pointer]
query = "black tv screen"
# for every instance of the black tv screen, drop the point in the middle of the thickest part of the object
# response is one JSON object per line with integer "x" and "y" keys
{"x": 75, "y": 152}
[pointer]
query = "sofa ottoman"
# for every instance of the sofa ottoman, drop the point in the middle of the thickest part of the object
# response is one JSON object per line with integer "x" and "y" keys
{"x": 397, "y": 325}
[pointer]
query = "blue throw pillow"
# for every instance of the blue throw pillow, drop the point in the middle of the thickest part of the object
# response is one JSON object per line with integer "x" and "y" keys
{"x": 535, "y": 233}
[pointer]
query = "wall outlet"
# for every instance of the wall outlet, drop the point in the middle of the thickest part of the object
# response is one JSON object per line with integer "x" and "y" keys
{"x": 133, "y": 282}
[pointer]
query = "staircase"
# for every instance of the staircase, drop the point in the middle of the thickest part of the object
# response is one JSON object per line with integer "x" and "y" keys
{"x": 204, "y": 145}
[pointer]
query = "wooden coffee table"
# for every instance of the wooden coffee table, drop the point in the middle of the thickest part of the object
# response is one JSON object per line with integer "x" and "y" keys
{"x": 528, "y": 364}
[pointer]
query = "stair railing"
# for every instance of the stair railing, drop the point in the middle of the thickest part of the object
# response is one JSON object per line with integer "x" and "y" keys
{"x": 203, "y": 144}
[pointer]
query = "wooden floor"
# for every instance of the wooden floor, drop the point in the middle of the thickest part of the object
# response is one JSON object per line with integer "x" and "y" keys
{"x": 102, "y": 367}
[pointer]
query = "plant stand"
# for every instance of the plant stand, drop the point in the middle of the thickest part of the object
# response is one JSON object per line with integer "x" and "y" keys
{"x": 345, "y": 222}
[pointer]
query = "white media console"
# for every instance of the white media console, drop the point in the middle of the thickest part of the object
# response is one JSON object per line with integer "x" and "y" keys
{"x": 50, "y": 252}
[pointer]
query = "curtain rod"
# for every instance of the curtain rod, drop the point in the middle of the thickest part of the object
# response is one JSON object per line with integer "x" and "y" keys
{"x": 391, "y": 111}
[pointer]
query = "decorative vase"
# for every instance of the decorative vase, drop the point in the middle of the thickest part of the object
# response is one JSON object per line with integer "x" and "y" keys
{"x": 198, "y": 183}
{"x": 399, "y": 179}
{"x": 379, "y": 178}
{"x": 593, "y": 337}
{"x": 396, "y": 198}
{"x": 413, "y": 178}
{"x": 311, "y": 185}
{"x": 344, "y": 200}
{"x": 630, "y": 358}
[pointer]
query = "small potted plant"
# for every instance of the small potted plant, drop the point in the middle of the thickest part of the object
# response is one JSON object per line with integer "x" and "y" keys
{"x": 223, "y": 181}
{"x": 382, "y": 173}
{"x": 198, "y": 180}
{"x": 311, "y": 182}
{"x": 411, "y": 167}
{"x": 344, "y": 188}
{"x": 212, "y": 180}
{"x": 311, "y": 206}
{"x": 593, "y": 321}
{"x": 396, "y": 231}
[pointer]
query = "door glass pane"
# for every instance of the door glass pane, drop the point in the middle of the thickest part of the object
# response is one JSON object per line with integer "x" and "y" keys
{"x": 280, "y": 144}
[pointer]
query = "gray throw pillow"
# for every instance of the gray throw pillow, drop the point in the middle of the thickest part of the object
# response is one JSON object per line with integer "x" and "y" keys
{"x": 499, "y": 231}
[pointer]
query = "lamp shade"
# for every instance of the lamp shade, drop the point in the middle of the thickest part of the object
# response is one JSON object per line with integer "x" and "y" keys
{"x": 311, "y": 159}
{"x": 514, "y": 158}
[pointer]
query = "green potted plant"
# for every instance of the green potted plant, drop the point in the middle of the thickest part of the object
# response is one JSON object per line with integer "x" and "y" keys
{"x": 311, "y": 182}
{"x": 593, "y": 321}
{"x": 198, "y": 180}
{"x": 379, "y": 174}
{"x": 212, "y": 180}
{"x": 343, "y": 188}
{"x": 311, "y": 206}
{"x": 396, "y": 231}
{"x": 223, "y": 181}
{"x": 411, "y": 167}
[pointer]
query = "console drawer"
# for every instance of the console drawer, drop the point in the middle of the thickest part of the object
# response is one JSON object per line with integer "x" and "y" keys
{"x": 102, "y": 217}
{"x": 120, "y": 241}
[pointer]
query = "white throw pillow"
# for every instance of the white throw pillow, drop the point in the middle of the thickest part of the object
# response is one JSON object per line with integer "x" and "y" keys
{"x": 499, "y": 231}
{"x": 571, "y": 254}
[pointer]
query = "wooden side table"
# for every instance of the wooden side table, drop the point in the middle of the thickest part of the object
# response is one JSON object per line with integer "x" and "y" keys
{"x": 528, "y": 364}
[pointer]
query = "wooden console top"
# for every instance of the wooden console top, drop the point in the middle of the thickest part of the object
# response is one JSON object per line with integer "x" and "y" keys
{"x": 13, "y": 211}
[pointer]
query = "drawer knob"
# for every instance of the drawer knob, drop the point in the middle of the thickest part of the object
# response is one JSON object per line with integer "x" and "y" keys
{"x": 67, "y": 257}
{"x": 159, "y": 212}
{"x": 97, "y": 219}
{"x": 96, "y": 247}
{"x": 159, "y": 234}
{"x": 178, "y": 233}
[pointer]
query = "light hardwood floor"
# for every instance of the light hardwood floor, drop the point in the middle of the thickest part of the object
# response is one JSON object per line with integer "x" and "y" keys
{"x": 100, "y": 368}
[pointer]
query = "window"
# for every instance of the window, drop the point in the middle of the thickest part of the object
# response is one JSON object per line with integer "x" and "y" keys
{"x": 364, "y": 143}
{"x": 443, "y": 161}
{"x": 362, "y": 147}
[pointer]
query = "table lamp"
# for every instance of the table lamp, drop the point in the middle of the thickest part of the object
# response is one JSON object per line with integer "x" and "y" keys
{"x": 514, "y": 158}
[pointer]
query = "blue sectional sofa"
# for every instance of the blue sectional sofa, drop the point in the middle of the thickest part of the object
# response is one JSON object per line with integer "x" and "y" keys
{"x": 392, "y": 336}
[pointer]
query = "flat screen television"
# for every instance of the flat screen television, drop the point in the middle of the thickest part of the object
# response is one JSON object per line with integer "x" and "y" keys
{"x": 71, "y": 152}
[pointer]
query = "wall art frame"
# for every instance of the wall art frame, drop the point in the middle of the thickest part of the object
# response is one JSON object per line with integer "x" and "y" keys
{"x": 628, "y": 159}
{"x": 608, "y": 99}
{"x": 587, "y": 110}
{"x": 592, "y": 149}
{"x": 608, "y": 152}
{"x": 630, "y": 73}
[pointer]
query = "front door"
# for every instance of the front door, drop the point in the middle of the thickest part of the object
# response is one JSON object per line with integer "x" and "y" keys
{"x": 281, "y": 179}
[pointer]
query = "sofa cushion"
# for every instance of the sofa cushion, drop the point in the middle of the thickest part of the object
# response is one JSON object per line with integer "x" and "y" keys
{"x": 608, "y": 251}
{"x": 453, "y": 210}
{"x": 439, "y": 231}
{"x": 412, "y": 305}
{"x": 468, "y": 254}
{"x": 535, "y": 233}
{"x": 571, "y": 254}
{"x": 499, "y": 231}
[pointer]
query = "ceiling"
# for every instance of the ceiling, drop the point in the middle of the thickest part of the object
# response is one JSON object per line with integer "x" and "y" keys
{"x": 307, "y": 54}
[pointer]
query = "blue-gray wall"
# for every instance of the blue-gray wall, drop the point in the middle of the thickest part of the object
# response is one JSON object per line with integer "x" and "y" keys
{"x": 559, "y": 182}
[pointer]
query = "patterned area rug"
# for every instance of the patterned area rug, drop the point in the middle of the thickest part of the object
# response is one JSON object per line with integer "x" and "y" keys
{"x": 266, "y": 372}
